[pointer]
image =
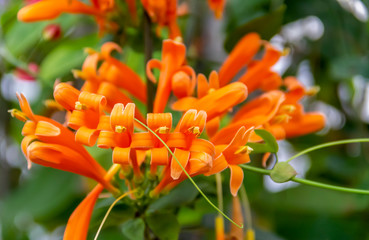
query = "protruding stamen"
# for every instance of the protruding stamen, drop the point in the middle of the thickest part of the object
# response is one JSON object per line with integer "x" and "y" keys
{"x": 211, "y": 90}
{"x": 286, "y": 51}
{"x": 282, "y": 118}
{"x": 52, "y": 104}
{"x": 18, "y": 114}
{"x": 80, "y": 106}
{"x": 312, "y": 91}
{"x": 178, "y": 39}
{"x": 243, "y": 150}
{"x": 194, "y": 130}
{"x": 162, "y": 130}
{"x": 288, "y": 108}
{"x": 89, "y": 51}
{"x": 120, "y": 129}
{"x": 78, "y": 74}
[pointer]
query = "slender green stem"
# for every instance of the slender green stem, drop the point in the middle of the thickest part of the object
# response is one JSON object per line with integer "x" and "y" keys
{"x": 255, "y": 169}
{"x": 309, "y": 182}
{"x": 218, "y": 178}
{"x": 188, "y": 175}
{"x": 247, "y": 208}
{"x": 329, "y": 144}
{"x": 328, "y": 186}
{"x": 109, "y": 210}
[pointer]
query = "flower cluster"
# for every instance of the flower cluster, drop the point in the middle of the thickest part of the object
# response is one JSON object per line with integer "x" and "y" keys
{"x": 103, "y": 113}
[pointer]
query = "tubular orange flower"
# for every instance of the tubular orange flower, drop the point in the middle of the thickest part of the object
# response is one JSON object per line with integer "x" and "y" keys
{"x": 217, "y": 6}
{"x": 163, "y": 12}
{"x": 240, "y": 56}
{"x": 217, "y": 102}
{"x": 36, "y": 11}
{"x": 173, "y": 60}
{"x": 77, "y": 226}
{"x": 229, "y": 156}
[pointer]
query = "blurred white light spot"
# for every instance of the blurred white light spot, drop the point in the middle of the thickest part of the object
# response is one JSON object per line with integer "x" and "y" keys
{"x": 304, "y": 74}
{"x": 310, "y": 27}
{"x": 356, "y": 8}
{"x": 335, "y": 119}
{"x": 10, "y": 84}
{"x": 300, "y": 164}
{"x": 364, "y": 113}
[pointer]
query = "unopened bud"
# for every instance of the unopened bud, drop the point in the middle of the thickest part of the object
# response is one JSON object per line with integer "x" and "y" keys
{"x": 282, "y": 172}
{"x": 51, "y": 32}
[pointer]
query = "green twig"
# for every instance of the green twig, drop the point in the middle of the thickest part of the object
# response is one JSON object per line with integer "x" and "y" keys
{"x": 247, "y": 208}
{"x": 188, "y": 175}
{"x": 329, "y": 144}
{"x": 309, "y": 182}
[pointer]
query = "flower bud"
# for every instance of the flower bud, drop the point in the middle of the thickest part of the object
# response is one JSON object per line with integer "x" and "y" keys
{"x": 282, "y": 172}
{"x": 51, "y": 32}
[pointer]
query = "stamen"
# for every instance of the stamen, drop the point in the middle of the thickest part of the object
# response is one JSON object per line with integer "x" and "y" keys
{"x": 80, "y": 106}
{"x": 312, "y": 91}
{"x": 120, "y": 129}
{"x": 52, "y": 104}
{"x": 211, "y": 90}
{"x": 286, "y": 51}
{"x": 162, "y": 130}
{"x": 288, "y": 108}
{"x": 178, "y": 39}
{"x": 78, "y": 74}
{"x": 243, "y": 150}
{"x": 194, "y": 130}
{"x": 89, "y": 51}
{"x": 18, "y": 114}
{"x": 282, "y": 118}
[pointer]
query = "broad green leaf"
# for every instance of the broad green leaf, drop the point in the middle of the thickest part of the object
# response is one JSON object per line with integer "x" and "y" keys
{"x": 65, "y": 57}
{"x": 282, "y": 172}
{"x": 22, "y": 36}
{"x": 134, "y": 229}
{"x": 164, "y": 225}
{"x": 267, "y": 26}
{"x": 270, "y": 144}
{"x": 182, "y": 194}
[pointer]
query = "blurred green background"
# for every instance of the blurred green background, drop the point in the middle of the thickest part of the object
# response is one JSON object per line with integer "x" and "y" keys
{"x": 328, "y": 42}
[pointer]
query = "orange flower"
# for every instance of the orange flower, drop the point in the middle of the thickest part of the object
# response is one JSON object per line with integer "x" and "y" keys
{"x": 171, "y": 64}
{"x": 36, "y": 11}
{"x": 255, "y": 113}
{"x": 217, "y": 102}
{"x": 217, "y": 6}
{"x": 77, "y": 226}
{"x": 258, "y": 74}
{"x": 240, "y": 56}
{"x": 163, "y": 12}
{"x": 231, "y": 155}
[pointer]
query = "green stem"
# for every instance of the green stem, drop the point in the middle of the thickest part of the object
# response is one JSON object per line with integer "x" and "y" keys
{"x": 218, "y": 178}
{"x": 256, "y": 169}
{"x": 309, "y": 182}
{"x": 328, "y": 186}
{"x": 247, "y": 208}
{"x": 188, "y": 175}
{"x": 329, "y": 144}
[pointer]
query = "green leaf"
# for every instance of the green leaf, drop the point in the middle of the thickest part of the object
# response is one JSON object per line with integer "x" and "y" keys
{"x": 267, "y": 26}
{"x": 65, "y": 57}
{"x": 164, "y": 225}
{"x": 22, "y": 36}
{"x": 134, "y": 229}
{"x": 270, "y": 143}
{"x": 182, "y": 194}
{"x": 282, "y": 172}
